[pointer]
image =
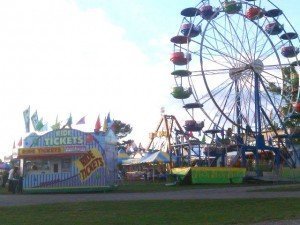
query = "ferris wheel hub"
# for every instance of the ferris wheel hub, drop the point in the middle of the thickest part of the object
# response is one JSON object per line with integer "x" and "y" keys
{"x": 257, "y": 66}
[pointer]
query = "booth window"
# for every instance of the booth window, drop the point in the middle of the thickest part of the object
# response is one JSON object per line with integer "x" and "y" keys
{"x": 37, "y": 165}
{"x": 66, "y": 165}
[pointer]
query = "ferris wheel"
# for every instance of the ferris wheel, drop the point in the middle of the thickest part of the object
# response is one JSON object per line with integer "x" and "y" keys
{"x": 236, "y": 62}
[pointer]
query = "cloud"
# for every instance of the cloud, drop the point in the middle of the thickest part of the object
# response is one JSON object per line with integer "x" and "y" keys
{"x": 61, "y": 59}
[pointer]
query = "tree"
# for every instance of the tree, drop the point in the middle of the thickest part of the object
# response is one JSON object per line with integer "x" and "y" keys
{"x": 121, "y": 129}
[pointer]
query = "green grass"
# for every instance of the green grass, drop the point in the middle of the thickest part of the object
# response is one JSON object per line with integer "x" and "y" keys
{"x": 209, "y": 212}
{"x": 3, "y": 191}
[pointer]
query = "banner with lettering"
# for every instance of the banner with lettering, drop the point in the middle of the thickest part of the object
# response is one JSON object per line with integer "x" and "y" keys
{"x": 88, "y": 163}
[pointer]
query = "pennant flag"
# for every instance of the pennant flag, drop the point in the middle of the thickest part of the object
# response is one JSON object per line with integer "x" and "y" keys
{"x": 108, "y": 118}
{"x": 34, "y": 120}
{"x": 14, "y": 145}
{"x": 81, "y": 121}
{"x": 109, "y": 122}
{"x": 20, "y": 142}
{"x": 45, "y": 127}
{"x": 39, "y": 125}
{"x": 70, "y": 121}
{"x": 97, "y": 125}
{"x": 26, "y": 115}
{"x": 105, "y": 125}
{"x": 56, "y": 126}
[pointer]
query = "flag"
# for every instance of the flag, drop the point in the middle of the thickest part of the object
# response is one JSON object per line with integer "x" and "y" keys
{"x": 20, "y": 142}
{"x": 108, "y": 118}
{"x": 26, "y": 115}
{"x": 39, "y": 125}
{"x": 105, "y": 125}
{"x": 14, "y": 145}
{"x": 97, "y": 125}
{"x": 45, "y": 127}
{"x": 109, "y": 122}
{"x": 56, "y": 126}
{"x": 81, "y": 121}
{"x": 70, "y": 121}
{"x": 34, "y": 119}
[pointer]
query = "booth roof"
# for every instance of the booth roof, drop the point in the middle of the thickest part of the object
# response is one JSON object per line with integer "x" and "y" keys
{"x": 156, "y": 157}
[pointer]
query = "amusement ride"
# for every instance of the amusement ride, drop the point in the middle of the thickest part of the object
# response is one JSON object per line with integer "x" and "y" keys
{"x": 235, "y": 66}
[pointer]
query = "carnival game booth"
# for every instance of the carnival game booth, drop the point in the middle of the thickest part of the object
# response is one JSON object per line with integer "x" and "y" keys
{"x": 68, "y": 160}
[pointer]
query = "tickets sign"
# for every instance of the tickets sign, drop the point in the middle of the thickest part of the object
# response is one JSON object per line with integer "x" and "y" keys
{"x": 40, "y": 151}
{"x": 88, "y": 163}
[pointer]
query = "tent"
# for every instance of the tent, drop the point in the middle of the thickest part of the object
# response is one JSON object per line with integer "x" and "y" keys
{"x": 156, "y": 157}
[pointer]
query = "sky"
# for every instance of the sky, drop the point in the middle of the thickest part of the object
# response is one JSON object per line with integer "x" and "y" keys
{"x": 89, "y": 58}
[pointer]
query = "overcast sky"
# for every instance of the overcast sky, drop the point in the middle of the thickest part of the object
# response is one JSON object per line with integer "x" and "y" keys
{"x": 88, "y": 58}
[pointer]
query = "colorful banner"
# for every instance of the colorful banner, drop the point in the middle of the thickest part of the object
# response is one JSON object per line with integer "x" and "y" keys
{"x": 89, "y": 163}
{"x": 26, "y": 115}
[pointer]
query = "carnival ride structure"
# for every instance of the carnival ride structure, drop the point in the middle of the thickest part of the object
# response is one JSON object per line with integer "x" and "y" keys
{"x": 171, "y": 137}
{"x": 235, "y": 64}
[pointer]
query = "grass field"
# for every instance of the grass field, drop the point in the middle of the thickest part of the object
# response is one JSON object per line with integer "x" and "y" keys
{"x": 179, "y": 212}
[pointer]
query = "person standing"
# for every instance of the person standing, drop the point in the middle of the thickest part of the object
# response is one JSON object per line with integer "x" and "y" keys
{"x": 11, "y": 179}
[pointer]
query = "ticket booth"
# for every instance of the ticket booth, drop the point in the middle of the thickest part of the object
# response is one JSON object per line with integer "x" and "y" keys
{"x": 68, "y": 160}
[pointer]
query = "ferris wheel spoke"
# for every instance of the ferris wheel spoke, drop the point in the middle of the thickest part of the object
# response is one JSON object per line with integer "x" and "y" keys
{"x": 223, "y": 55}
{"x": 262, "y": 49}
{"x": 269, "y": 77}
{"x": 247, "y": 88}
{"x": 242, "y": 45}
{"x": 218, "y": 90}
{"x": 246, "y": 38}
{"x": 268, "y": 97}
{"x": 233, "y": 53}
{"x": 231, "y": 62}
{"x": 269, "y": 52}
{"x": 218, "y": 52}
{"x": 228, "y": 42}
{"x": 257, "y": 35}
{"x": 216, "y": 62}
